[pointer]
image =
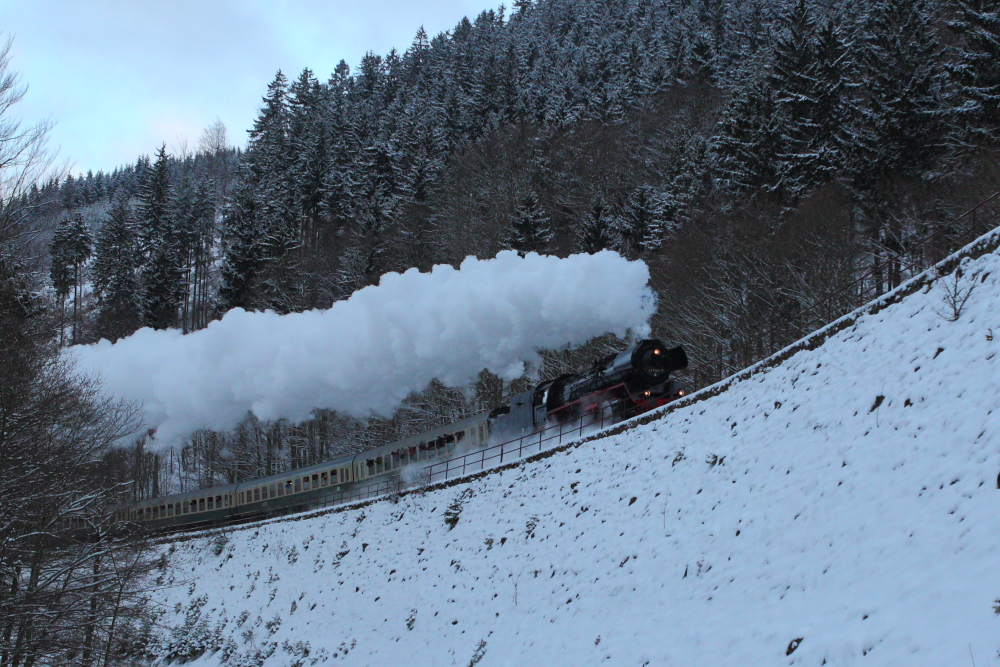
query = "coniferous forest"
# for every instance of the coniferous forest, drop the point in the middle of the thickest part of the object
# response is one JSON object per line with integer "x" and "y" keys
{"x": 758, "y": 155}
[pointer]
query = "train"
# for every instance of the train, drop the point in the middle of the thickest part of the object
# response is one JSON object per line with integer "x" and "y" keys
{"x": 616, "y": 387}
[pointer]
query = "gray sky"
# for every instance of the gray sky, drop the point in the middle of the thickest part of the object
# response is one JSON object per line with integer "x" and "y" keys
{"x": 122, "y": 76}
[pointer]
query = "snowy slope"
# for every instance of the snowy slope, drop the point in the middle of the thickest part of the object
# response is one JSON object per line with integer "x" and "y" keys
{"x": 871, "y": 534}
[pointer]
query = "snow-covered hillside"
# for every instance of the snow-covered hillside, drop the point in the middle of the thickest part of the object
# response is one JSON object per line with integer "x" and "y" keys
{"x": 840, "y": 508}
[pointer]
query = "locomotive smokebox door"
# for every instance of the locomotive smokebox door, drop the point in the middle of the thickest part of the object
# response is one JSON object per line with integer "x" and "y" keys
{"x": 652, "y": 363}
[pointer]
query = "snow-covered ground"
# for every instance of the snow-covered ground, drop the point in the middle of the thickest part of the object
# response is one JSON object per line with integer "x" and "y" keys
{"x": 843, "y": 504}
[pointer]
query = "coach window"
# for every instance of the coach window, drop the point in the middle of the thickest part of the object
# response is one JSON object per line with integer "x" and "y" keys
{"x": 163, "y": 511}
{"x": 273, "y": 492}
{"x": 298, "y": 485}
{"x": 323, "y": 481}
{"x": 170, "y": 509}
{"x": 256, "y": 495}
{"x": 184, "y": 507}
{"x": 218, "y": 502}
{"x": 315, "y": 481}
{"x": 194, "y": 506}
{"x": 281, "y": 490}
{"x": 211, "y": 505}
{"x": 201, "y": 504}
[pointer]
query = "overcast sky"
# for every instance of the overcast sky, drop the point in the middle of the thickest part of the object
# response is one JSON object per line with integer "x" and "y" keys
{"x": 120, "y": 77}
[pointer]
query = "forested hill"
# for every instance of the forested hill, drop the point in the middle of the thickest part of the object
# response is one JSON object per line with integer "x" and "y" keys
{"x": 572, "y": 125}
{"x": 758, "y": 155}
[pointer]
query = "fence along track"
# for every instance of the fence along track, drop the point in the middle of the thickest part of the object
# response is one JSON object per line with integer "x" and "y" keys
{"x": 865, "y": 294}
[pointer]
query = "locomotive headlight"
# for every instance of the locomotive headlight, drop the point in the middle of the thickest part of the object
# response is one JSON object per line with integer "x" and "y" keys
{"x": 680, "y": 392}
{"x": 656, "y": 351}
{"x": 645, "y": 393}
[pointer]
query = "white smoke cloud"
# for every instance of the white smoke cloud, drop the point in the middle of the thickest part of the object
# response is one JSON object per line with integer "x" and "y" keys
{"x": 367, "y": 353}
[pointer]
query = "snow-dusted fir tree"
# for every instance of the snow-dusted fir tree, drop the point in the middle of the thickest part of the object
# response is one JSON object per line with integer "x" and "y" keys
{"x": 153, "y": 210}
{"x": 116, "y": 272}
{"x": 901, "y": 122}
{"x": 638, "y": 225}
{"x": 193, "y": 212}
{"x": 257, "y": 219}
{"x": 795, "y": 81}
{"x": 61, "y": 272}
{"x": 749, "y": 141}
{"x": 529, "y": 227}
{"x": 162, "y": 271}
{"x": 71, "y": 247}
{"x": 244, "y": 252}
{"x": 309, "y": 160}
{"x": 595, "y": 231}
{"x": 974, "y": 70}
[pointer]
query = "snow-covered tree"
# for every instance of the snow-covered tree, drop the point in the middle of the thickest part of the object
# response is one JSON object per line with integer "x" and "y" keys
{"x": 162, "y": 270}
{"x": 595, "y": 232}
{"x": 901, "y": 124}
{"x": 639, "y": 223}
{"x": 116, "y": 272}
{"x": 974, "y": 69}
{"x": 529, "y": 227}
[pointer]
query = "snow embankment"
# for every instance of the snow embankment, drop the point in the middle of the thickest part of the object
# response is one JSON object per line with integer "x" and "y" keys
{"x": 840, "y": 509}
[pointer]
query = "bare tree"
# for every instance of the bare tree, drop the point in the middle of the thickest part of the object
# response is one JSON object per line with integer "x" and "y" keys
{"x": 213, "y": 139}
{"x": 69, "y": 573}
{"x": 24, "y": 159}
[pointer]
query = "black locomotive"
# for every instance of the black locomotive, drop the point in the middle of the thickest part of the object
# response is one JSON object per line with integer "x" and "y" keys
{"x": 627, "y": 383}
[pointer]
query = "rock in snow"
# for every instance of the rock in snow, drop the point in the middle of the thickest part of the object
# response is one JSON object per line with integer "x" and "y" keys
{"x": 840, "y": 509}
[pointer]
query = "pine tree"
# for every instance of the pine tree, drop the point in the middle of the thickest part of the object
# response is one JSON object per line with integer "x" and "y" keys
{"x": 205, "y": 236}
{"x": 244, "y": 252}
{"x": 748, "y": 144}
{"x": 154, "y": 200}
{"x": 116, "y": 273}
{"x": 260, "y": 225}
{"x": 61, "y": 271}
{"x": 162, "y": 271}
{"x": 975, "y": 71}
{"x": 193, "y": 216}
{"x": 796, "y": 92}
{"x": 595, "y": 231}
{"x": 639, "y": 223}
{"x": 71, "y": 248}
{"x": 901, "y": 125}
{"x": 833, "y": 72}
{"x": 529, "y": 229}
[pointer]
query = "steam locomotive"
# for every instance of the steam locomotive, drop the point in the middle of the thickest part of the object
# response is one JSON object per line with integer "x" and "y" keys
{"x": 616, "y": 387}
